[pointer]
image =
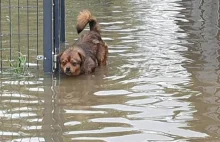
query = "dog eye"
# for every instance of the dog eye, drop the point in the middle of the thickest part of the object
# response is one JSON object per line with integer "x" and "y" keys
{"x": 63, "y": 62}
{"x": 74, "y": 63}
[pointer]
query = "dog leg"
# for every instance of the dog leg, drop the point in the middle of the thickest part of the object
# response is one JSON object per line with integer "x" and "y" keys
{"x": 89, "y": 66}
{"x": 102, "y": 54}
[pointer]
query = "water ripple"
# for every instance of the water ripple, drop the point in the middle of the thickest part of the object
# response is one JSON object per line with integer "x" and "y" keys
{"x": 144, "y": 94}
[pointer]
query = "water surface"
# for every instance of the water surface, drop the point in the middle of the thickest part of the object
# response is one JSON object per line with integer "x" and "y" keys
{"x": 161, "y": 82}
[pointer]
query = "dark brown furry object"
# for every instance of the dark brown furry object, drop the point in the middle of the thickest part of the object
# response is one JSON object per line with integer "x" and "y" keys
{"x": 87, "y": 52}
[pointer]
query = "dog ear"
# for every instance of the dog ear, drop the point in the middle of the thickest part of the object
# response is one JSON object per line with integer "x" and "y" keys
{"x": 82, "y": 57}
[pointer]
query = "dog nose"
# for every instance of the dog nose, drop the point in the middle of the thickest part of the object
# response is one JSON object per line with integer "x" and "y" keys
{"x": 68, "y": 69}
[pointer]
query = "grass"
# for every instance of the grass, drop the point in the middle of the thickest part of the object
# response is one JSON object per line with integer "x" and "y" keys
{"x": 19, "y": 66}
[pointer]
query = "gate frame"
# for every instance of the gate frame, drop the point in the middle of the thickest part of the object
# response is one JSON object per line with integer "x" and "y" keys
{"x": 53, "y": 32}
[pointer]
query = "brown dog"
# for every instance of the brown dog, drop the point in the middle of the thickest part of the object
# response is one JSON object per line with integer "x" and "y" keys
{"x": 87, "y": 52}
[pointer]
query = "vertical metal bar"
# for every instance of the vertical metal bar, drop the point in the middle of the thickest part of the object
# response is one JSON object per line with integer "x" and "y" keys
{"x": 10, "y": 35}
{"x": 37, "y": 29}
{"x": 47, "y": 34}
{"x": 56, "y": 32}
{"x": 19, "y": 38}
{"x": 28, "y": 40}
{"x": 63, "y": 18}
{"x": 57, "y": 25}
{"x": 1, "y": 34}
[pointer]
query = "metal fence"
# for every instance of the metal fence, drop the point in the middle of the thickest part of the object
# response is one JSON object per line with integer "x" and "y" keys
{"x": 32, "y": 29}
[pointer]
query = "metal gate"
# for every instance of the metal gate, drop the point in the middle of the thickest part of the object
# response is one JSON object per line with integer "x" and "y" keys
{"x": 54, "y": 32}
{"x": 31, "y": 32}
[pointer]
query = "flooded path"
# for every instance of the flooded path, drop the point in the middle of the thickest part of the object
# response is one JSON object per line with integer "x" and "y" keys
{"x": 161, "y": 83}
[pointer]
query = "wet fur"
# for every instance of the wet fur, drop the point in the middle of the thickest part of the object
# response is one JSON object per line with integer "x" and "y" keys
{"x": 88, "y": 52}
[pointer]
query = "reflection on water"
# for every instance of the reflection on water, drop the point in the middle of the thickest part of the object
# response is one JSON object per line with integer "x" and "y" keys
{"x": 161, "y": 83}
{"x": 203, "y": 42}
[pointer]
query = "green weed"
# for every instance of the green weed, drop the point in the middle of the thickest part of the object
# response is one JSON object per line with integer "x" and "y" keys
{"x": 19, "y": 66}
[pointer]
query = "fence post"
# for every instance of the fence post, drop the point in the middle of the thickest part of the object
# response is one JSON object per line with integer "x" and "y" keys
{"x": 48, "y": 35}
{"x": 54, "y": 32}
{"x": 62, "y": 33}
{"x": 56, "y": 25}
{"x": 56, "y": 17}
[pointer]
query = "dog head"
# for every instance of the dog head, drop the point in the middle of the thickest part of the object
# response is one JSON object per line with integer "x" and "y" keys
{"x": 71, "y": 61}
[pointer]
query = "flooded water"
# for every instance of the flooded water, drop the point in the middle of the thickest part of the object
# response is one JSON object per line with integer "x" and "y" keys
{"x": 161, "y": 83}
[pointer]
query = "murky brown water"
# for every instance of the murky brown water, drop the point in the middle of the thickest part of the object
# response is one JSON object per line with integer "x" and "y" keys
{"x": 161, "y": 83}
